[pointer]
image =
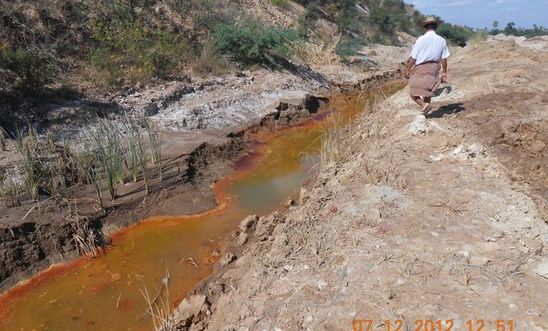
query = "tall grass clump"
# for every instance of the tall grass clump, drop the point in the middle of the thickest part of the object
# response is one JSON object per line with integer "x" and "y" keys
{"x": 2, "y": 139}
{"x": 89, "y": 169}
{"x": 27, "y": 146}
{"x": 155, "y": 145}
{"x": 134, "y": 150}
{"x": 108, "y": 151}
{"x": 143, "y": 163}
{"x": 44, "y": 166}
{"x": 10, "y": 192}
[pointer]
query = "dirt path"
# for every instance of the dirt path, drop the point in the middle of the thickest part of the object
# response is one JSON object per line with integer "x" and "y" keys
{"x": 421, "y": 219}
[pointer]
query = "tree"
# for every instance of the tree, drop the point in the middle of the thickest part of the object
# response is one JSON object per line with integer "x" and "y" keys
{"x": 510, "y": 28}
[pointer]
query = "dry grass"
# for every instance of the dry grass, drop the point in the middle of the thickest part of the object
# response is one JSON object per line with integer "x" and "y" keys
{"x": 336, "y": 141}
{"x": 88, "y": 243}
{"x": 318, "y": 53}
{"x": 158, "y": 307}
{"x": 449, "y": 203}
{"x": 332, "y": 145}
{"x": 209, "y": 62}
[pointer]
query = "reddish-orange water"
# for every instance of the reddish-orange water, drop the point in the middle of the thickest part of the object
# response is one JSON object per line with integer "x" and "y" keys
{"x": 104, "y": 293}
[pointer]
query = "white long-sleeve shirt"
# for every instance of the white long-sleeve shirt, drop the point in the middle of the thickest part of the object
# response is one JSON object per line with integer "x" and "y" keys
{"x": 430, "y": 47}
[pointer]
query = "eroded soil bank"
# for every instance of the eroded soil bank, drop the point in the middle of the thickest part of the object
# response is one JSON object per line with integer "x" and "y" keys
{"x": 438, "y": 218}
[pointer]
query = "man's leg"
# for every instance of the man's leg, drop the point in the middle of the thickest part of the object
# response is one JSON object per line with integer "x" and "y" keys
{"x": 418, "y": 101}
{"x": 427, "y": 107}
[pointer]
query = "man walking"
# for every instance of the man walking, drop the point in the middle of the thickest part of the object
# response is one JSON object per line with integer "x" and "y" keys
{"x": 429, "y": 53}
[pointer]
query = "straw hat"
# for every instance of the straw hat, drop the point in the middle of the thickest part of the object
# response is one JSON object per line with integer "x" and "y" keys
{"x": 430, "y": 20}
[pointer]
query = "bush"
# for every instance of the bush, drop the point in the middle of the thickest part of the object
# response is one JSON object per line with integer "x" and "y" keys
{"x": 131, "y": 53}
{"x": 255, "y": 43}
{"x": 349, "y": 46}
{"x": 280, "y": 3}
{"x": 32, "y": 70}
{"x": 456, "y": 34}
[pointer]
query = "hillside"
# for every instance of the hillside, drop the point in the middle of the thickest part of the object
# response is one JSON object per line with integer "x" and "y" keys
{"x": 88, "y": 44}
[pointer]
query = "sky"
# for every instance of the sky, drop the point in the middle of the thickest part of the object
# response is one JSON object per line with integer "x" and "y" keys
{"x": 482, "y": 13}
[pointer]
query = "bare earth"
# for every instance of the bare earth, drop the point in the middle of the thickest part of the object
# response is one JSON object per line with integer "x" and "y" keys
{"x": 441, "y": 218}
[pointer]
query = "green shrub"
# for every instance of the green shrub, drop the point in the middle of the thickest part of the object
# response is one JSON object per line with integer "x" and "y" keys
{"x": 131, "y": 53}
{"x": 32, "y": 70}
{"x": 254, "y": 43}
{"x": 456, "y": 34}
{"x": 376, "y": 19}
{"x": 280, "y": 3}
{"x": 348, "y": 46}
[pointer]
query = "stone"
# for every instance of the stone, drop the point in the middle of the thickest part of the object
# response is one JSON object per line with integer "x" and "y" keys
{"x": 536, "y": 147}
{"x": 321, "y": 284}
{"x": 266, "y": 225}
{"x": 188, "y": 309}
{"x": 479, "y": 261}
{"x": 373, "y": 217}
{"x": 248, "y": 222}
{"x": 242, "y": 238}
{"x": 290, "y": 203}
{"x": 303, "y": 196}
{"x": 542, "y": 268}
{"x": 419, "y": 125}
{"x": 151, "y": 109}
{"x": 227, "y": 259}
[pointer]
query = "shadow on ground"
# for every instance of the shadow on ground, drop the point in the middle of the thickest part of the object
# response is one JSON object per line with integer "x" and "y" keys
{"x": 451, "y": 108}
{"x": 448, "y": 89}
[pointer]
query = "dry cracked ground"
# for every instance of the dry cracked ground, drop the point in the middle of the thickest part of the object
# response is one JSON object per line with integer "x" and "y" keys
{"x": 422, "y": 219}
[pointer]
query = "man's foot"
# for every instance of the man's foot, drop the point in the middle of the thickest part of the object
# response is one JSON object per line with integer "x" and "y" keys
{"x": 426, "y": 109}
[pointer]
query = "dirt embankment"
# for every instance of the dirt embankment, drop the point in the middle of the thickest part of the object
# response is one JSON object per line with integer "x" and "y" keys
{"x": 35, "y": 236}
{"x": 438, "y": 218}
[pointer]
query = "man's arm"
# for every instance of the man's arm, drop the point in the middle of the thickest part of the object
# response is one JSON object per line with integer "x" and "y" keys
{"x": 408, "y": 65}
{"x": 444, "y": 70}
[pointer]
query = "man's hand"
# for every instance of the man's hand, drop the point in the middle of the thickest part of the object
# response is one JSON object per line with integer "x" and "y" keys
{"x": 444, "y": 71}
{"x": 444, "y": 77}
{"x": 408, "y": 65}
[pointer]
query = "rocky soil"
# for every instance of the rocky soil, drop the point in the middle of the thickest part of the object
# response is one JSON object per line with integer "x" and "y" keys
{"x": 425, "y": 218}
